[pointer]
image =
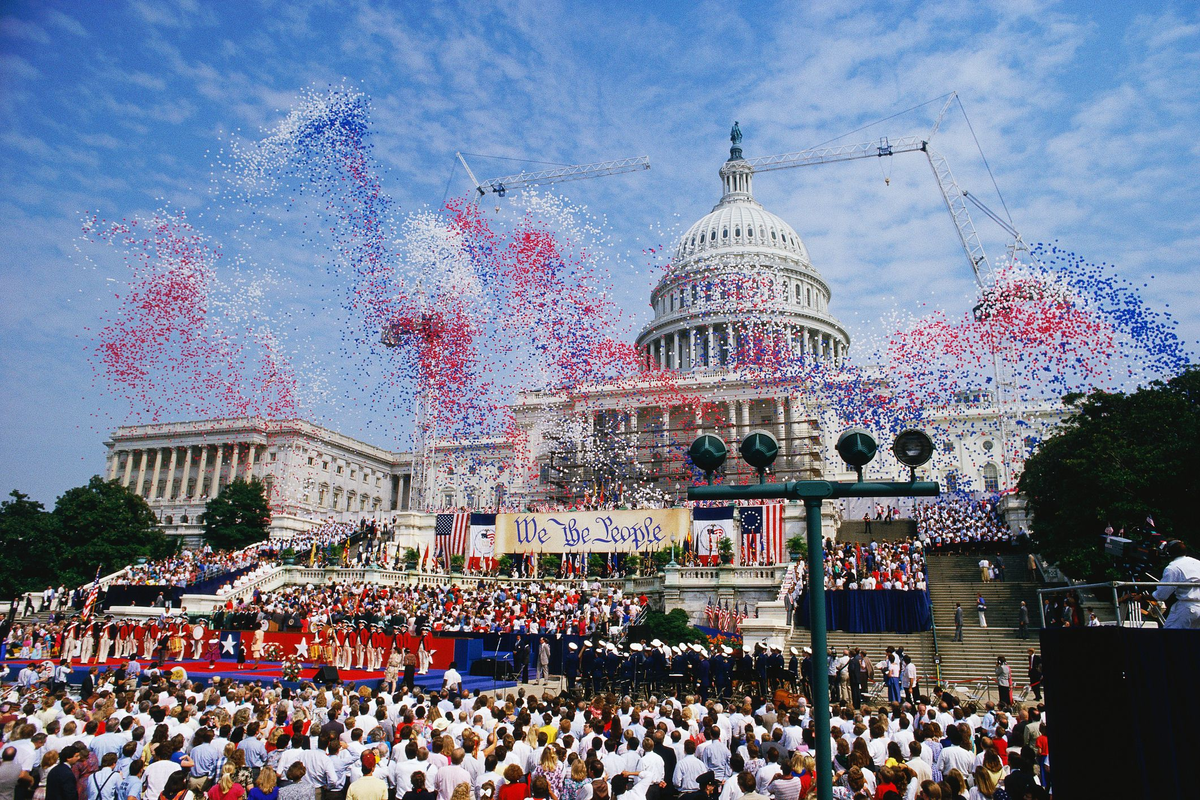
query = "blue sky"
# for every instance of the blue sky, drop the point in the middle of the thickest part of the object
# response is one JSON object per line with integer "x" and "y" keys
{"x": 1088, "y": 117}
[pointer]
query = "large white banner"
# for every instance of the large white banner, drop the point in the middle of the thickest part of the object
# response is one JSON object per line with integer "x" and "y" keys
{"x": 591, "y": 531}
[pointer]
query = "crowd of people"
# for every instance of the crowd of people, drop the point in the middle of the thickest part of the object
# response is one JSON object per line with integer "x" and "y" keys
{"x": 186, "y": 568}
{"x": 148, "y": 737}
{"x": 956, "y": 524}
{"x": 566, "y": 607}
{"x": 897, "y": 565}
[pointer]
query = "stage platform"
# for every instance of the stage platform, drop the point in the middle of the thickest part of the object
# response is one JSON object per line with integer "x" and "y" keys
{"x": 270, "y": 671}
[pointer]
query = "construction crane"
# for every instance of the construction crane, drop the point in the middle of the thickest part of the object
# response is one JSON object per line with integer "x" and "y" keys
{"x": 955, "y": 197}
{"x": 957, "y": 200}
{"x": 427, "y": 326}
{"x": 567, "y": 172}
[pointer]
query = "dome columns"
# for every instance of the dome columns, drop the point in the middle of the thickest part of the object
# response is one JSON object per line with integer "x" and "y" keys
{"x": 715, "y": 345}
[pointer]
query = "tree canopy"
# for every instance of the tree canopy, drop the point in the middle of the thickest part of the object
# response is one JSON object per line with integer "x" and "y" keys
{"x": 101, "y": 525}
{"x": 1119, "y": 459}
{"x": 238, "y": 516}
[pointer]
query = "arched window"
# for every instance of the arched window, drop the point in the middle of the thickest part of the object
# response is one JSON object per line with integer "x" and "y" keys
{"x": 184, "y": 519}
{"x": 169, "y": 520}
{"x": 991, "y": 477}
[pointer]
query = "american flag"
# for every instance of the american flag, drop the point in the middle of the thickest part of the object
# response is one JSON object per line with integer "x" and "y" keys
{"x": 89, "y": 605}
{"x": 762, "y": 534}
{"x": 450, "y": 532}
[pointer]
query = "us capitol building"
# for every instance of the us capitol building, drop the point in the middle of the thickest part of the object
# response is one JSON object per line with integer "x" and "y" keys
{"x": 740, "y": 287}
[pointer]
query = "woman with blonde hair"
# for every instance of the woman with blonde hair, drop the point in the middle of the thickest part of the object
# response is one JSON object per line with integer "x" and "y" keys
{"x": 988, "y": 776}
{"x": 265, "y": 787}
{"x": 550, "y": 769}
{"x": 572, "y": 785}
{"x": 226, "y": 787}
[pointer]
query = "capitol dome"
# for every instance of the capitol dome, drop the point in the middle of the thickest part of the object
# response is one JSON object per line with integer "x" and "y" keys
{"x": 740, "y": 284}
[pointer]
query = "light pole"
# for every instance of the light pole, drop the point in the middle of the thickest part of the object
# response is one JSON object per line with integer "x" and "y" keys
{"x": 856, "y": 447}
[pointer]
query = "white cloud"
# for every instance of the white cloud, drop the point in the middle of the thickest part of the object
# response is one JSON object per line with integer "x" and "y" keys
{"x": 65, "y": 23}
{"x": 15, "y": 28}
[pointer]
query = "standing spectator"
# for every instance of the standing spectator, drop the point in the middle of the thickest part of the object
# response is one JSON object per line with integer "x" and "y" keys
{"x": 1023, "y": 621}
{"x": 1035, "y": 674}
{"x": 981, "y": 607}
{"x": 264, "y": 787}
{"x": 1004, "y": 681}
{"x": 60, "y": 782}
{"x": 10, "y": 773}
{"x": 543, "y": 662}
{"x": 958, "y": 622}
{"x": 369, "y": 787}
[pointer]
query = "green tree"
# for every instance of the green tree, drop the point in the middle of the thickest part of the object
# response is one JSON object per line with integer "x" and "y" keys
{"x": 673, "y": 628}
{"x": 29, "y": 546}
{"x": 1118, "y": 459}
{"x": 104, "y": 525}
{"x": 238, "y": 516}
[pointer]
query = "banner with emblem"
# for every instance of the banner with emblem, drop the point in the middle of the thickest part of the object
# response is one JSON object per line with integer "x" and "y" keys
{"x": 621, "y": 531}
{"x": 481, "y": 547}
{"x": 709, "y": 527}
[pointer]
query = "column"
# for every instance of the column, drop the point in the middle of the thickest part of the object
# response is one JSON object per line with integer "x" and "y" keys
{"x": 734, "y": 436}
{"x": 128, "y": 468}
{"x": 788, "y": 335}
{"x": 233, "y": 462}
{"x": 251, "y": 461}
{"x": 114, "y": 462}
{"x": 216, "y": 484}
{"x": 662, "y": 352}
{"x": 678, "y": 350}
{"x": 196, "y": 495}
{"x": 141, "y": 478}
{"x": 691, "y": 348}
{"x": 157, "y": 476}
{"x": 793, "y": 431}
{"x": 187, "y": 473}
{"x": 699, "y": 419}
{"x": 778, "y": 408}
{"x": 169, "y": 492}
{"x": 709, "y": 361}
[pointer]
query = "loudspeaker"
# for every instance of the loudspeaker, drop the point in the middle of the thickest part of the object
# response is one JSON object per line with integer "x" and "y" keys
{"x": 327, "y": 675}
{"x": 491, "y": 668}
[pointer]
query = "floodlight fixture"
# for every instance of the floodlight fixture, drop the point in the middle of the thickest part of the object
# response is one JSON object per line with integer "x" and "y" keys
{"x": 857, "y": 447}
{"x": 708, "y": 453}
{"x": 912, "y": 447}
{"x": 760, "y": 449}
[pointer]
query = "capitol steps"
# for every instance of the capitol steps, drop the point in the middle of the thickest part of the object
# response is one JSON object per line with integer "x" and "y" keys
{"x": 956, "y": 579}
{"x": 855, "y": 531}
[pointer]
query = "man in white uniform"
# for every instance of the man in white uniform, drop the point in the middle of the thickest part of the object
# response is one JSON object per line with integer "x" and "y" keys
{"x": 1185, "y": 613}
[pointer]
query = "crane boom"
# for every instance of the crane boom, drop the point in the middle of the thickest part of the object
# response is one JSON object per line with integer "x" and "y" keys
{"x": 571, "y": 172}
{"x": 829, "y": 155}
{"x": 952, "y": 193}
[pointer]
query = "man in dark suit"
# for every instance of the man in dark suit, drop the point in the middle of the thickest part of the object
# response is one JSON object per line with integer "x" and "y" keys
{"x": 670, "y": 759}
{"x": 1035, "y": 674}
{"x": 855, "y": 668}
{"x": 87, "y": 687}
{"x": 60, "y": 781}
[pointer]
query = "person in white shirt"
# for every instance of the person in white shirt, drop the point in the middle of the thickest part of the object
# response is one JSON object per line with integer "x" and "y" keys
{"x": 955, "y": 756}
{"x": 102, "y": 785}
{"x": 1185, "y": 613}
{"x": 688, "y": 769}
